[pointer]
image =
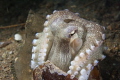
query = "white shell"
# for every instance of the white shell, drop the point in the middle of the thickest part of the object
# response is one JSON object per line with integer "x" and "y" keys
{"x": 17, "y": 37}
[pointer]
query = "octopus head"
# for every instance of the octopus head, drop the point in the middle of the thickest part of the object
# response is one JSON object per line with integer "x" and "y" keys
{"x": 66, "y": 43}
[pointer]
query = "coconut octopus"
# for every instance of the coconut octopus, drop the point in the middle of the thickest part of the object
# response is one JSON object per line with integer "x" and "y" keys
{"x": 71, "y": 43}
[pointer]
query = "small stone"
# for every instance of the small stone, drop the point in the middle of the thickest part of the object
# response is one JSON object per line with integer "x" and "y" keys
{"x": 10, "y": 52}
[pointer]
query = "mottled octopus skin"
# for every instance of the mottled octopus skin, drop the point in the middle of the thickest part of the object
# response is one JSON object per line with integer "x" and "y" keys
{"x": 71, "y": 43}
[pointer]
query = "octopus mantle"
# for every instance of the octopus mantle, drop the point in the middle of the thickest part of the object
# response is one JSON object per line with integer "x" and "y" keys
{"x": 71, "y": 43}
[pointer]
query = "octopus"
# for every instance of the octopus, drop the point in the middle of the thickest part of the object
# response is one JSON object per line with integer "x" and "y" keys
{"x": 71, "y": 43}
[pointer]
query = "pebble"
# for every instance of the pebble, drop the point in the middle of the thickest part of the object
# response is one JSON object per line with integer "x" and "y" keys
{"x": 4, "y": 55}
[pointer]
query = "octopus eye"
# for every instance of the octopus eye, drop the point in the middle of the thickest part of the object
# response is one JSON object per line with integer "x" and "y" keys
{"x": 72, "y": 33}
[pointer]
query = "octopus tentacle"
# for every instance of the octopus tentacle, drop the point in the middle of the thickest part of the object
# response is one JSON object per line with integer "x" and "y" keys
{"x": 41, "y": 47}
